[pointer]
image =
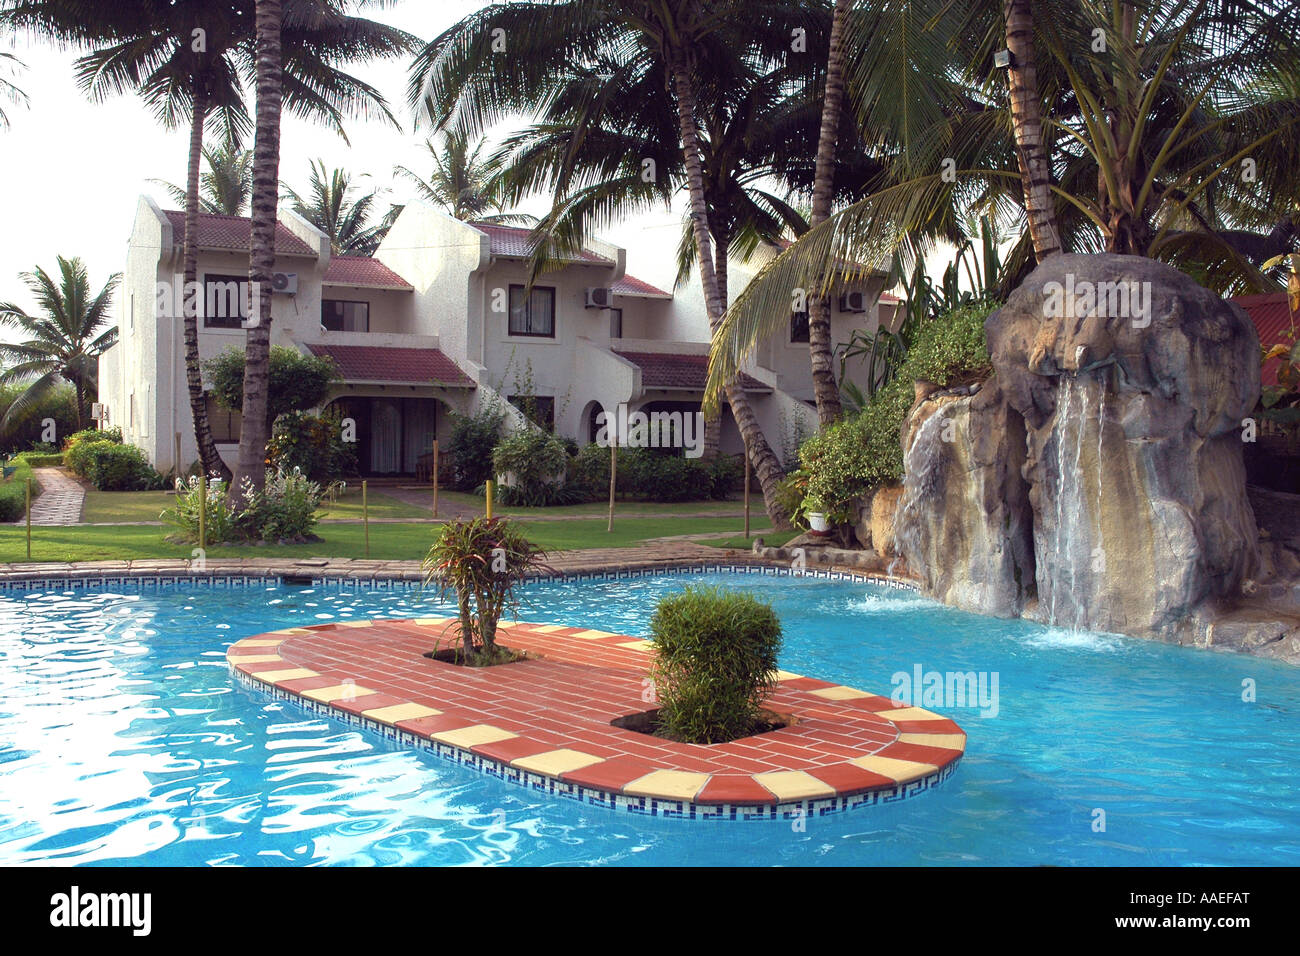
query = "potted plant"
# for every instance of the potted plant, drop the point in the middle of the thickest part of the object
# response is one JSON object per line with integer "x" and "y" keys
{"x": 816, "y": 512}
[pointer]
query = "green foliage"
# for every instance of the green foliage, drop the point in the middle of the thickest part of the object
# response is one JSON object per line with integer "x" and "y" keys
{"x": 285, "y": 508}
{"x": 651, "y": 474}
{"x": 78, "y": 446}
{"x": 26, "y": 430}
{"x": 537, "y": 461}
{"x": 297, "y": 382}
{"x": 864, "y": 451}
{"x": 191, "y": 500}
{"x": 112, "y": 467}
{"x": 41, "y": 461}
{"x": 481, "y": 561}
{"x": 13, "y": 493}
{"x": 714, "y": 663}
{"x": 313, "y": 445}
{"x": 467, "y": 457}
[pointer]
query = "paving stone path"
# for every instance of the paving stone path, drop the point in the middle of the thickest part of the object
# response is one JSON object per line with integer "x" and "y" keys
{"x": 60, "y": 500}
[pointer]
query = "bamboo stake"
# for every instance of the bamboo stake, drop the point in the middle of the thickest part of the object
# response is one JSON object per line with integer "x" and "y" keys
{"x": 435, "y": 477}
{"x": 489, "y": 500}
{"x": 203, "y": 512}
{"x": 365, "y": 516}
{"x": 747, "y": 497}
{"x": 29, "y": 519}
{"x": 613, "y": 477}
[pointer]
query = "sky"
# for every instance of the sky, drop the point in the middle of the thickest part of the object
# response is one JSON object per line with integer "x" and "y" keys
{"x": 72, "y": 171}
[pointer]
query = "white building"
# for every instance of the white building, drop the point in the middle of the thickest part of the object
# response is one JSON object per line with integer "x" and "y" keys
{"x": 437, "y": 322}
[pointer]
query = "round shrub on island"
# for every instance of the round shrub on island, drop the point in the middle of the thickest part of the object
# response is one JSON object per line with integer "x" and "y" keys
{"x": 714, "y": 663}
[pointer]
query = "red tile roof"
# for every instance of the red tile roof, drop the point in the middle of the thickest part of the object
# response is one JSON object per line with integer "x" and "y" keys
{"x": 1272, "y": 317}
{"x": 232, "y": 233}
{"x": 630, "y": 285}
{"x": 375, "y": 363}
{"x": 671, "y": 370}
{"x": 362, "y": 271}
{"x": 515, "y": 242}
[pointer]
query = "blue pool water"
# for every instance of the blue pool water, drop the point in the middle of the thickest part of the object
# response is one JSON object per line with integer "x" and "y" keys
{"x": 124, "y": 739}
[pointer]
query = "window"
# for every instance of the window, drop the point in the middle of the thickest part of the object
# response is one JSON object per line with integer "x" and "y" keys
{"x": 340, "y": 316}
{"x": 533, "y": 314}
{"x": 223, "y": 422}
{"x": 225, "y": 301}
{"x": 799, "y": 326}
{"x": 538, "y": 409}
{"x": 615, "y": 323}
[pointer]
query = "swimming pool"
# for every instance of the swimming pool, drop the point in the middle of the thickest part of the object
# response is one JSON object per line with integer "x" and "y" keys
{"x": 124, "y": 739}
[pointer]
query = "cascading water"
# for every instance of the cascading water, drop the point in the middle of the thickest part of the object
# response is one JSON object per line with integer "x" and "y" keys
{"x": 921, "y": 465}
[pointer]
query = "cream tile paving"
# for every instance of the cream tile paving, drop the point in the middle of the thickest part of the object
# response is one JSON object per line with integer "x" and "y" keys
{"x": 908, "y": 713}
{"x": 840, "y": 693}
{"x": 254, "y": 658}
{"x": 552, "y": 763}
{"x": 900, "y": 771}
{"x": 473, "y": 736}
{"x": 327, "y": 695}
{"x": 592, "y": 635}
{"x": 260, "y": 642}
{"x": 292, "y": 673}
{"x": 395, "y": 712}
{"x": 794, "y": 784}
{"x": 948, "y": 741}
{"x": 646, "y": 646}
{"x": 672, "y": 784}
{"x": 786, "y": 675}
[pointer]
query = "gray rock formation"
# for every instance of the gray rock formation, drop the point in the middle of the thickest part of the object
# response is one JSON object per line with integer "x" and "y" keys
{"x": 1096, "y": 481}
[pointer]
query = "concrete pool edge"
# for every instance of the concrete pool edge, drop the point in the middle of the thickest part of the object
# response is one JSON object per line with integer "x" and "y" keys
{"x": 849, "y": 748}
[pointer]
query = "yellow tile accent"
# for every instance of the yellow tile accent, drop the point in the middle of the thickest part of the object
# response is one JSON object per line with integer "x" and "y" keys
{"x": 253, "y": 658}
{"x": 552, "y": 763}
{"x": 432, "y": 621}
{"x": 949, "y": 741}
{"x": 794, "y": 784}
{"x": 327, "y": 695}
{"x": 261, "y": 642}
{"x": 646, "y": 646}
{"x": 548, "y": 628}
{"x": 670, "y": 784}
{"x": 473, "y": 736}
{"x": 908, "y": 713}
{"x": 786, "y": 675}
{"x": 395, "y": 712}
{"x": 292, "y": 630}
{"x": 592, "y": 635}
{"x": 901, "y": 771}
{"x": 840, "y": 693}
{"x": 292, "y": 673}
{"x": 356, "y": 623}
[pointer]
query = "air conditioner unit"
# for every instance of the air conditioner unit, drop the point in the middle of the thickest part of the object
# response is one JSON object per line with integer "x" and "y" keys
{"x": 853, "y": 302}
{"x": 600, "y": 298}
{"x": 284, "y": 283}
{"x": 99, "y": 411}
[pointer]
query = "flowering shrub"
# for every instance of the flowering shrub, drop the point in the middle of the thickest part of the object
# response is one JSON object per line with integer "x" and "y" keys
{"x": 219, "y": 520}
{"x": 284, "y": 509}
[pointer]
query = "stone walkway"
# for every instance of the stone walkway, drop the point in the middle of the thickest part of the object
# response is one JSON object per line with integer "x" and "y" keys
{"x": 60, "y": 500}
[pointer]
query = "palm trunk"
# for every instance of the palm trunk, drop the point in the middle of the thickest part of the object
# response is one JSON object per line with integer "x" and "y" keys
{"x": 1027, "y": 124}
{"x": 208, "y": 455}
{"x": 713, "y": 424}
{"x": 266, "y": 171}
{"x": 826, "y": 391}
{"x": 766, "y": 465}
{"x": 81, "y": 402}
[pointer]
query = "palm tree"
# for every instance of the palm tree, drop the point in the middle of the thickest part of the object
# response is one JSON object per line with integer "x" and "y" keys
{"x": 1166, "y": 130}
{"x": 463, "y": 183}
{"x": 254, "y": 432}
{"x": 8, "y": 89}
{"x": 332, "y": 207}
{"x": 192, "y": 59}
{"x": 63, "y": 343}
{"x": 224, "y": 190}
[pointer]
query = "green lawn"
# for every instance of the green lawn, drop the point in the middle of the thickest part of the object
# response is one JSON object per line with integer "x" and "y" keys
{"x": 109, "y": 506}
{"x": 387, "y": 541}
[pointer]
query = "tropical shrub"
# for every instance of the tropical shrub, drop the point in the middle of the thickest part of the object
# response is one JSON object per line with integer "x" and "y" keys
{"x": 467, "y": 457}
{"x": 481, "y": 561}
{"x": 313, "y": 445}
{"x": 858, "y": 453}
{"x": 76, "y": 449}
{"x": 184, "y": 514}
{"x": 285, "y": 508}
{"x": 536, "y": 460}
{"x": 37, "y": 460}
{"x": 59, "y": 404}
{"x": 13, "y": 493}
{"x": 296, "y": 382}
{"x": 112, "y": 467}
{"x": 714, "y": 662}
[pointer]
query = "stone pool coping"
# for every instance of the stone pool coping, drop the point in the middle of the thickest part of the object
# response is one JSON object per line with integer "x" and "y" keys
{"x": 545, "y": 722}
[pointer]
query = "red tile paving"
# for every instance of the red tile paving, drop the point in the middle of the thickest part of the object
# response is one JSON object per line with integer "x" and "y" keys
{"x": 536, "y": 713}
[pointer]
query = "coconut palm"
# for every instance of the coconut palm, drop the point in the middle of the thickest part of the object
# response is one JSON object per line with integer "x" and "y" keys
{"x": 1148, "y": 117}
{"x": 64, "y": 342}
{"x": 225, "y": 188}
{"x": 9, "y": 90}
{"x": 333, "y": 206}
{"x": 191, "y": 60}
{"x": 463, "y": 182}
